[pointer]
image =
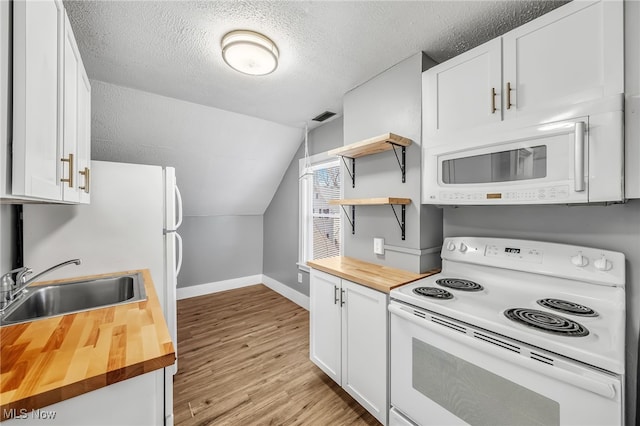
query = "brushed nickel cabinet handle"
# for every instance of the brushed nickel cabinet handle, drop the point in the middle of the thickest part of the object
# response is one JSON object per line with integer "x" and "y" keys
{"x": 493, "y": 100}
{"x": 70, "y": 179}
{"x": 87, "y": 179}
{"x": 509, "y": 95}
{"x": 335, "y": 295}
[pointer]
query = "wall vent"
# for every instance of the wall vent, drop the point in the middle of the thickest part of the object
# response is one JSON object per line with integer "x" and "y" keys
{"x": 324, "y": 116}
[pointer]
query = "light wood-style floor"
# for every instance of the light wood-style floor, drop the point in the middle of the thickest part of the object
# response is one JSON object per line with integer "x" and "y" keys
{"x": 243, "y": 359}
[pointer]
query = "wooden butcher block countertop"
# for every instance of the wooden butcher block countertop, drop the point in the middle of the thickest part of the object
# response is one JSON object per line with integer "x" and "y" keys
{"x": 49, "y": 360}
{"x": 378, "y": 277}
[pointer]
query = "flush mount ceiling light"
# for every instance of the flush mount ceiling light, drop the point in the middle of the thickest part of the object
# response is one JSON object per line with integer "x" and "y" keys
{"x": 249, "y": 52}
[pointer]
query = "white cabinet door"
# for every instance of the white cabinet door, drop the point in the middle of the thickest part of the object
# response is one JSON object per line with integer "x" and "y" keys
{"x": 571, "y": 55}
{"x": 364, "y": 347}
{"x": 71, "y": 65}
{"x": 84, "y": 135}
{"x": 464, "y": 92}
{"x": 37, "y": 97}
{"x": 325, "y": 318}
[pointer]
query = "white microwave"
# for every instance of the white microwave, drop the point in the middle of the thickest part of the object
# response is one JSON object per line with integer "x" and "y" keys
{"x": 569, "y": 161}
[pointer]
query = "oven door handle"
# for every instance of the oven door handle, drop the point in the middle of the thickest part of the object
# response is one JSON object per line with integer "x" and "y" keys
{"x": 596, "y": 386}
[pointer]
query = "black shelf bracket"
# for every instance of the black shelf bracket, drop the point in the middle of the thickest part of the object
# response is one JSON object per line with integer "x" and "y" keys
{"x": 402, "y": 218}
{"x": 351, "y": 172}
{"x": 352, "y": 220}
{"x": 402, "y": 164}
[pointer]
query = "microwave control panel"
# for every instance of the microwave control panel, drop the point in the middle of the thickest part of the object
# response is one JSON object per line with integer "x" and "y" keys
{"x": 551, "y": 193}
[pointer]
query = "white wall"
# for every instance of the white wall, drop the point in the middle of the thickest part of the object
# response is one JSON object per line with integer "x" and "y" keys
{"x": 281, "y": 218}
{"x": 390, "y": 102}
{"x": 219, "y": 248}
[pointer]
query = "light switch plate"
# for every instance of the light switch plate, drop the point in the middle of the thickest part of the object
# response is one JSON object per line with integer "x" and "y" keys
{"x": 299, "y": 277}
{"x": 378, "y": 245}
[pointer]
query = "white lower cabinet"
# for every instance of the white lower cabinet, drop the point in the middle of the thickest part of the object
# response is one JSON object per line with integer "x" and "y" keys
{"x": 135, "y": 402}
{"x": 348, "y": 339}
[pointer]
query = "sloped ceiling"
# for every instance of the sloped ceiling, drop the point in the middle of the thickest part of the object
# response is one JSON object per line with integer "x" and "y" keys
{"x": 226, "y": 163}
{"x": 172, "y": 48}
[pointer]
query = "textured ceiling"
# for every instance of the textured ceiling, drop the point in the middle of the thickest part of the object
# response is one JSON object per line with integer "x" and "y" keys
{"x": 231, "y": 150}
{"x": 327, "y": 47}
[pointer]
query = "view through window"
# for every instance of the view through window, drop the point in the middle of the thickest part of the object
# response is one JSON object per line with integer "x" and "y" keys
{"x": 326, "y": 217}
{"x": 320, "y": 234}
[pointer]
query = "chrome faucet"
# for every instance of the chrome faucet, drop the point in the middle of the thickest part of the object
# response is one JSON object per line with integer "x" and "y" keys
{"x": 11, "y": 290}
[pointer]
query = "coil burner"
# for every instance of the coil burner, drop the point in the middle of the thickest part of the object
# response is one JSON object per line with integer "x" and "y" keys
{"x": 436, "y": 293}
{"x": 567, "y": 307}
{"x": 544, "y": 321}
{"x": 459, "y": 284}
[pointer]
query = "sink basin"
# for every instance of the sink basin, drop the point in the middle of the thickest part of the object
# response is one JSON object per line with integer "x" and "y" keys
{"x": 75, "y": 296}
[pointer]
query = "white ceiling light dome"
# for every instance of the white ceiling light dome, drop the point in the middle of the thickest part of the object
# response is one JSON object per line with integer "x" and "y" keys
{"x": 250, "y": 52}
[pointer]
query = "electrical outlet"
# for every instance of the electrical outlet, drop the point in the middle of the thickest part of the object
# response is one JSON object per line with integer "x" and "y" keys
{"x": 299, "y": 277}
{"x": 378, "y": 245}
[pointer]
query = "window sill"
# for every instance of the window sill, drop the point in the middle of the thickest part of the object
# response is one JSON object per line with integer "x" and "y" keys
{"x": 303, "y": 267}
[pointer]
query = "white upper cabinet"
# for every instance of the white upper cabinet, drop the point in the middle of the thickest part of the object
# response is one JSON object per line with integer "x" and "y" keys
{"x": 464, "y": 91}
{"x": 84, "y": 136}
{"x": 571, "y": 55}
{"x": 38, "y": 27}
{"x": 77, "y": 122}
{"x": 51, "y": 106}
{"x": 71, "y": 60}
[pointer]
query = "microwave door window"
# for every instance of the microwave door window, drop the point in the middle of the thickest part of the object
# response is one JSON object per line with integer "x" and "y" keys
{"x": 474, "y": 169}
{"x": 504, "y": 166}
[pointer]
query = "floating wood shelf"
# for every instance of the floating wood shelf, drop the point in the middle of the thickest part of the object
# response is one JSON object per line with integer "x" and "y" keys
{"x": 371, "y": 201}
{"x": 371, "y": 146}
{"x": 385, "y": 142}
{"x": 384, "y": 201}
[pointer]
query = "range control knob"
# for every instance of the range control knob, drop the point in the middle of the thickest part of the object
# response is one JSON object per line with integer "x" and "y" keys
{"x": 603, "y": 264}
{"x": 451, "y": 246}
{"x": 463, "y": 247}
{"x": 579, "y": 260}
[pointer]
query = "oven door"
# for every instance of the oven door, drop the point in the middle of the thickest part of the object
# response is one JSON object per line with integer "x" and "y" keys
{"x": 571, "y": 161}
{"x": 447, "y": 373}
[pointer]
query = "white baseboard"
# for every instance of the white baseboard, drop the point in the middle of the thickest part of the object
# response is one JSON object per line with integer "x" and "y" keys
{"x": 286, "y": 291}
{"x": 208, "y": 288}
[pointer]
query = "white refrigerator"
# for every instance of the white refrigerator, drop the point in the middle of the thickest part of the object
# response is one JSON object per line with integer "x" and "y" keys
{"x": 131, "y": 223}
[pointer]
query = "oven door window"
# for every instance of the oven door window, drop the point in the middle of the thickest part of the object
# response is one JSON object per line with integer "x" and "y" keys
{"x": 476, "y": 395}
{"x": 504, "y": 166}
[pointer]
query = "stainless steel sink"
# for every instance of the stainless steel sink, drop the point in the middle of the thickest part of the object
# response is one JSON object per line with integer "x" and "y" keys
{"x": 75, "y": 296}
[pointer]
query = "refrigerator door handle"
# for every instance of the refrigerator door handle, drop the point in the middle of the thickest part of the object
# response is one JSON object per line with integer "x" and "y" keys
{"x": 178, "y": 206}
{"x": 179, "y": 264}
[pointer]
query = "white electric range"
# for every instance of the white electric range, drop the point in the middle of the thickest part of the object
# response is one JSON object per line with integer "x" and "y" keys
{"x": 511, "y": 332}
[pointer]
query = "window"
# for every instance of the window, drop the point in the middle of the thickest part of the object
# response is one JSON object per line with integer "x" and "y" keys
{"x": 320, "y": 230}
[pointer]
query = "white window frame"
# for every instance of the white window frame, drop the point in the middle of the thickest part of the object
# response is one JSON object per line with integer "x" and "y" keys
{"x": 305, "y": 215}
